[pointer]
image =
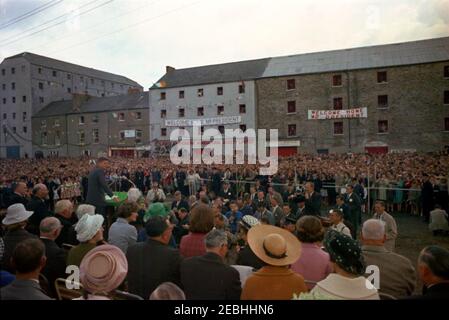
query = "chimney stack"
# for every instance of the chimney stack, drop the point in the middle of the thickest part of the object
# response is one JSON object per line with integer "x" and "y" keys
{"x": 169, "y": 69}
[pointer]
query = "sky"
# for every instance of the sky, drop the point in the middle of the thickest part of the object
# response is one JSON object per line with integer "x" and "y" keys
{"x": 138, "y": 38}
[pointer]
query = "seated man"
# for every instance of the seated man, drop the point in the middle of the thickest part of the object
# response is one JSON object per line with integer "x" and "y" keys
{"x": 207, "y": 277}
{"x": 397, "y": 274}
{"x": 336, "y": 218}
{"x": 64, "y": 213}
{"x": 438, "y": 220}
{"x": 28, "y": 260}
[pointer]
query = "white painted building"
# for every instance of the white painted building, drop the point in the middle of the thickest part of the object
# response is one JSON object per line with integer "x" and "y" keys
{"x": 28, "y": 82}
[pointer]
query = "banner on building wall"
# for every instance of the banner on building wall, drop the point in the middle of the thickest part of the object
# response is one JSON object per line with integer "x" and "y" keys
{"x": 203, "y": 122}
{"x": 130, "y": 133}
{"x": 338, "y": 114}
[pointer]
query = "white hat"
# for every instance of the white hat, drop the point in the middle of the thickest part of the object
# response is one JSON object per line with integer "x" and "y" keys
{"x": 16, "y": 213}
{"x": 88, "y": 226}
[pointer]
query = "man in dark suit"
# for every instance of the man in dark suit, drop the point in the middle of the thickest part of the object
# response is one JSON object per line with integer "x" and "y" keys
{"x": 39, "y": 206}
{"x": 260, "y": 200}
{"x": 153, "y": 262}
{"x": 433, "y": 265}
{"x": 277, "y": 211}
{"x": 64, "y": 213}
{"x": 340, "y": 200}
{"x": 139, "y": 178}
{"x": 207, "y": 277}
{"x": 28, "y": 260}
{"x": 301, "y": 204}
{"x": 19, "y": 194}
{"x": 97, "y": 187}
{"x": 427, "y": 198}
{"x": 216, "y": 182}
{"x": 50, "y": 229}
{"x": 179, "y": 202}
{"x": 226, "y": 193}
{"x": 355, "y": 209}
{"x": 313, "y": 200}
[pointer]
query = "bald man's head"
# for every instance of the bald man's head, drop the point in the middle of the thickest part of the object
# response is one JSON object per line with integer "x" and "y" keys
{"x": 373, "y": 232}
{"x": 40, "y": 190}
{"x": 50, "y": 228}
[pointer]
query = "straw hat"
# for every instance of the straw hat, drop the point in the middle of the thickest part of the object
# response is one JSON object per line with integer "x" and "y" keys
{"x": 273, "y": 245}
{"x": 103, "y": 269}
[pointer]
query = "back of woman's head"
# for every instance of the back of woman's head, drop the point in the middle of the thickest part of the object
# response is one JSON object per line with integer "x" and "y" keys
{"x": 201, "y": 219}
{"x": 309, "y": 229}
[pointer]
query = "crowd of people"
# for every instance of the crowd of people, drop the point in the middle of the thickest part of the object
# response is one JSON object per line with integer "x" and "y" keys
{"x": 222, "y": 232}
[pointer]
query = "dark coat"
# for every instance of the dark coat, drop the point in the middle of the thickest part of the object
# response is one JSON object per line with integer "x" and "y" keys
{"x": 437, "y": 291}
{"x": 247, "y": 257}
{"x": 56, "y": 263}
{"x": 355, "y": 210}
{"x": 207, "y": 277}
{"x": 23, "y": 290}
{"x": 68, "y": 233}
{"x": 151, "y": 263}
{"x": 97, "y": 187}
{"x": 15, "y": 198}
{"x": 11, "y": 240}
{"x": 313, "y": 204}
{"x": 40, "y": 212}
{"x": 182, "y": 204}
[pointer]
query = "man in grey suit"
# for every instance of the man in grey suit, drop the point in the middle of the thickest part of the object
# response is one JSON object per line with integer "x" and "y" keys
{"x": 97, "y": 187}
{"x": 396, "y": 273}
{"x": 28, "y": 260}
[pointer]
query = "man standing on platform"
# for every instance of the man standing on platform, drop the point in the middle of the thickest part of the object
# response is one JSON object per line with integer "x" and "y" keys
{"x": 97, "y": 186}
{"x": 355, "y": 209}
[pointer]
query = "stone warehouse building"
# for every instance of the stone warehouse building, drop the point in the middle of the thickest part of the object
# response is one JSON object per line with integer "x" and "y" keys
{"x": 404, "y": 86}
{"x": 29, "y": 82}
{"x": 94, "y": 126}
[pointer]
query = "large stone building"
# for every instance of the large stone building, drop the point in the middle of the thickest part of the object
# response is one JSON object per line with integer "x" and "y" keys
{"x": 94, "y": 126}
{"x": 218, "y": 96}
{"x": 29, "y": 82}
{"x": 404, "y": 86}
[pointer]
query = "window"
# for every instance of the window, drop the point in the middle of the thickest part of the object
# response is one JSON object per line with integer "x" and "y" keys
{"x": 4, "y": 86}
{"x": 81, "y": 120}
{"x": 4, "y": 116}
{"x": 446, "y": 71}
{"x": 200, "y": 111}
{"x": 163, "y": 114}
{"x": 382, "y": 77}
{"x": 221, "y": 129}
{"x": 163, "y": 132}
{"x": 382, "y": 101}
{"x": 202, "y": 129}
{"x": 338, "y": 128}
{"x": 43, "y": 123}
{"x": 338, "y": 103}
{"x": 44, "y": 138}
{"x": 54, "y": 73}
{"x": 446, "y": 97}
{"x": 382, "y": 126}
{"x": 242, "y": 108}
{"x": 41, "y": 99}
{"x": 291, "y": 84}
{"x": 81, "y": 137}
{"x": 22, "y": 68}
{"x": 13, "y": 70}
{"x": 95, "y": 118}
{"x": 163, "y": 95}
{"x": 14, "y": 116}
{"x": 56, "y": 123}
{"x": 13, "y": 99}
{"x": 25, "y": 129}
{"x": 291, "y": 106}
{"x": 41, "y": 85}
{"x": 446, "y": 124}
{"x": 69, "y": 76}
{"x": 292, "y": 130}
{"x": 181, "y": 94}
{"x": 24, "y": 116}
{"x": 219, "y": 91}
{"x": 138, "y": 115}
{"x": 243, "y": 127}
{"x": 241, "y": 88}
{"x": 39, "y": 70}
{"x": 14, "y": 130}
{"x": 220, "y": 110}
{"x": 57, "y": 138}
{"x": 200, "y": 92}
{"x": 336, "y": 80}
{"x": 95, "y": 136}
{"x": 3, "y": 72}
{"x": 24, "y": 98}
{"x": 122, "y": 136}
{"x": 138, "y": 136}
{"x": 13, "y": 86}
{"x": 92, "y": 81}
{"x": 69, "y": 90}
{"x": 4, "y": 100}
{"x": 121, "y": 116}
{"x": 102, "y": 82}
{"x": 181, "y": 113}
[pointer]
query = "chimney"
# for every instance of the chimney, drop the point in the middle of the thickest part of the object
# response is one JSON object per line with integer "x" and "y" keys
{"x": 169, "y": 69}
{"x": 78, "y": 99}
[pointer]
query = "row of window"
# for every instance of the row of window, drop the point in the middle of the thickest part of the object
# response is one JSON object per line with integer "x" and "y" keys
{"x": 200, "y": 92}
{"x": 14, "y": 130}
{"x": 82, "y": 137}
{"x": 221, "y": 129}
{"x": 95, "y": 118}
{"x": 24, "y": 116}
{"x": 382, "y": 128}
{"x": 13, "y": 99}
{"x": 200, "y": 111}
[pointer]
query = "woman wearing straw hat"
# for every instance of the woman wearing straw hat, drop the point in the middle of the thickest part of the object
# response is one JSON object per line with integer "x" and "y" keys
{"x": 278, "y": 249}
{"x": 102, "y": 270}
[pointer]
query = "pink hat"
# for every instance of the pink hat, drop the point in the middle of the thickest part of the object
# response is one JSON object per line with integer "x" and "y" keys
{"x": 103, "y": 269}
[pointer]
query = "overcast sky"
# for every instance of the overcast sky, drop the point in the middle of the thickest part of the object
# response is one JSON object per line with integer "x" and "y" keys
{"x": 138, "y": 38}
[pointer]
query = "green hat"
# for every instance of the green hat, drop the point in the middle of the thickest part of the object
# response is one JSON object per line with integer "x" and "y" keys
{"x": 156, "y": 209}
